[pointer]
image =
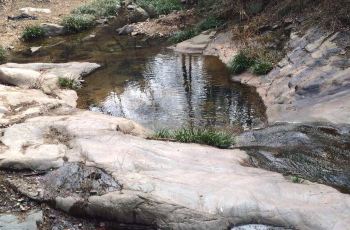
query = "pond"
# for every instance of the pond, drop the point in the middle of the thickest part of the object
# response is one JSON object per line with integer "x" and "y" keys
{"x": 143, "y": 80}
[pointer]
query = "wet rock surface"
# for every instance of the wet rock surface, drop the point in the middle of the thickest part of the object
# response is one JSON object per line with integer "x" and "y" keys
{"x": 317, "y": 152}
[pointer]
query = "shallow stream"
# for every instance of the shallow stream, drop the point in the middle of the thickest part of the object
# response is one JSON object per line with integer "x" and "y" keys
{"x": 143, "y": 80}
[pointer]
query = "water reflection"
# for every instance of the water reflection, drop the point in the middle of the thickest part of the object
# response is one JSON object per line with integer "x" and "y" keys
{"x": 176, "y": 90}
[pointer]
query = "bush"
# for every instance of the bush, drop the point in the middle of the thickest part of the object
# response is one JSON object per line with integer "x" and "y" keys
{"x": 68, "y": 83}
{"x": 99, "y": 8}
{"x": 240, "y": 63}
{"x": 296, "y": 179}
{"x": 161, "y": 6}
{"x": 78, "y": 22}
{"x": 31, "y": 33}
{"x": 209, "y": 23}
{"x": 262, "y": 67}
{"x": 2, "y": 54}
{"x": 183, "y": 35}
{"x": 201, "y": 136}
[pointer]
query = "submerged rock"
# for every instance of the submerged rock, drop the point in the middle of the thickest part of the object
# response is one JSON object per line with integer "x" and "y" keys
{"x": 21, "y": 221}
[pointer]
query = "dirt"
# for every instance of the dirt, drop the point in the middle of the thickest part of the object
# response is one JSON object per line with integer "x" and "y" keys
{"x": 10, "y": 30}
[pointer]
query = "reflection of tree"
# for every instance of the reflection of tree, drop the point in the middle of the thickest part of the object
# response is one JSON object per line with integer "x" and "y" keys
{"x": 188, "y": 86}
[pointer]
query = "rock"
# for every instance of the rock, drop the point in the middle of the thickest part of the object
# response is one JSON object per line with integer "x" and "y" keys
{"x": 22, "y": 16}
{"x": 28, "y": 10}
{"x": 52, "y": 29}
{"x": 27, "y": 221}
{"x": 136, "y": 13}
{"x": 196, "y": 44}
{"x": 102, "y": 21}
{"x": 35, "y": 49}
{"x": 125, "y": 30}
{"x": 43, "y": 75}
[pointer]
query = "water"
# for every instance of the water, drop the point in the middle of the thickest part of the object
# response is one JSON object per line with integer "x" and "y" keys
{"x": 143, "y": 80}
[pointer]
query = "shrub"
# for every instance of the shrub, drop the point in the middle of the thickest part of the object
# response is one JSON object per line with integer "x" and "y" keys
{"x": 183, "y": 35}
{"x": 202, "y": 136}
{"x": 31, "y": 33}
{"x": 240, "y": 63}
{"x": 296, "y": 179}
{"x": 68, "y": 83}
{"x": 261, "y": 67}
{"x": 161, "y": 6}
{"x": 209, "y": 23}
{"x": 78, "y": 22}
{"x": 99, "y": 8}
{"x": 2, "y": 54}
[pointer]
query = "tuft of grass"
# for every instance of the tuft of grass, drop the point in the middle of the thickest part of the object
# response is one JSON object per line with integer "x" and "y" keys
{"x": 78, "y": 22}
{"x": 183, "y": 35}
{"x": 99, "y": 8}
{"x": 261, "y": 67}
{"x": 209, "y": 23}
{"x": 32, "y": 33}
{"x": 240, "y": 63}
{"x": 2, "y": 55}
{"x": 68, "y": 83}
{"x": 296, "y": 179}
{"x": 161, "y": 6}
{"x": 215, "y": 138}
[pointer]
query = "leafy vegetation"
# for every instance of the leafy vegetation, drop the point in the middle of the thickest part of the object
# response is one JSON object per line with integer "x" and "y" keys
{"x": 161, "y": 6}
{"x": 211, "y": 137}
{"x": 98, "y": 8}
{"x": 31, "y": 33}
{"x": 78, "y": 22}
{"x": 240, "y": 63}
{"x": 261, "y": 67}
{"x": 296, "y": 179}
{"x": 206, "y": 24}
{"x": 68, "y": 83}
{"x": 2, "y": 54}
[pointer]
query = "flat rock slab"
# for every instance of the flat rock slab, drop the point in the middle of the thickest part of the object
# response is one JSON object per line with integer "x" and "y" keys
{"x": 21, "y": 221}
{"x": 195, "y": 45}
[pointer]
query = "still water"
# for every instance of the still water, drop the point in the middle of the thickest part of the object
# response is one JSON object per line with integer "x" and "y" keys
{"x": 143, "y": 80}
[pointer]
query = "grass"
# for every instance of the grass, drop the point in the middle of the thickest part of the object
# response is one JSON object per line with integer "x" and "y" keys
{"x": 296, "y": 179}
{"x": 75, "y": 23}
{"x": 240, "y": 63}
{"x": 161, "y": 6}
{"x": 2, "y": 55}
{"x": 261, "y": 67}
{"x": 98, "y": 8}
{"x": 68, "y": 83}
{"x": 32, "y": 33}
{"x": 201, "y": 136}
{"x": 206, "y": 24}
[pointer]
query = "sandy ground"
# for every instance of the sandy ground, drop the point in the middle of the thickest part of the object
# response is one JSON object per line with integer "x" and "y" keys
{"x": 10, "y": 31}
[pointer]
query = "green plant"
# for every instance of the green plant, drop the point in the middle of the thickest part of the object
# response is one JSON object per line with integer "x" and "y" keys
{"x": 2, "y": 54}
{"x": 261, "y": 67}
{"x": 99, "y": 8}
{"x": 209, "y": 23}
{"x": 78, "y": 22}
{"x": 240, "y": 63}
{"x": 183, "y": 35}
{"x": 68, "y": 83}
{"x": 31, "y": 33}
{"x": 296, "y": 179}
{"x": 161, "y": 6}
{"x": 211, "y": 137}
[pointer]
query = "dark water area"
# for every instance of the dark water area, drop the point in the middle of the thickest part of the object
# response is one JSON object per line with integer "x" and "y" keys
{"x": 141, "y": 79}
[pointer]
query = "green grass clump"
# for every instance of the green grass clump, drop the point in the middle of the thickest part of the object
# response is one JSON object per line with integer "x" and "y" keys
{"x": 201, "y": 136}
{"x": 2, "y": 55}
{"x": 32, "y": 33}
{"x": 240, "y": 63}
{"x": 209, "y": 23}
{"x": 78, "y": 22}
{"x": 67, "y": 83}
{"x": 296, "y": 179}
{"x": 183, "y": 35}
{"x": 261, "y": 67}
{"x": 161, "y": 6}
{"x": 99, "y": 8}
